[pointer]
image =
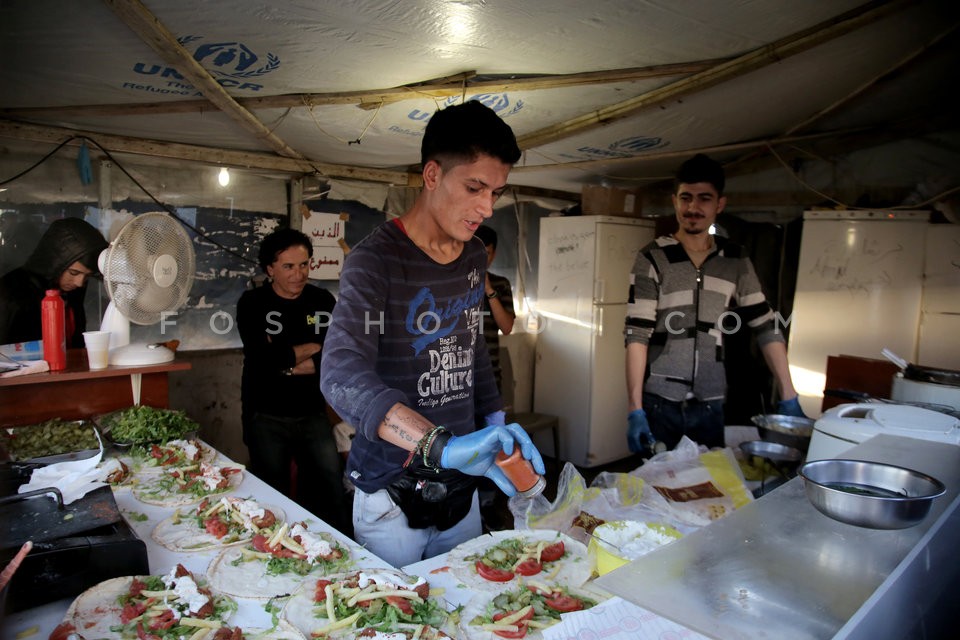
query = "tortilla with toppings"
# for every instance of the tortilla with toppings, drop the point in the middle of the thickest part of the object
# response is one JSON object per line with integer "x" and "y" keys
{"x": 282, "y": 631}
{"x": 276, "y": 561}
{"x": 151, "y": 459}
{"x": 216, "y": 523}
{"x": 165, "y": 607}
{"x": 499, "y": 560}
{"x": 188, "y": 485}
{"x": 367, "y": 603}
{"x": 522, "y": 611}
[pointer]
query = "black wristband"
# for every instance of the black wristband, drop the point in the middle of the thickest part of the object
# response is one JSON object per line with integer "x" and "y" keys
{"x": 433, "y": 455}
{"x": 491, "y": 296}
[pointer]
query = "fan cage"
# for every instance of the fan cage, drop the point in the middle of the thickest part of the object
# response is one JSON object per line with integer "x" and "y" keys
{"x": 150, "y": 268}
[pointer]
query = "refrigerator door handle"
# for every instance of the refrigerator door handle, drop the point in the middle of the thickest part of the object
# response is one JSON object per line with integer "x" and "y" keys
{"x": 598, "y": 320}
{"x": 599, "y": 289}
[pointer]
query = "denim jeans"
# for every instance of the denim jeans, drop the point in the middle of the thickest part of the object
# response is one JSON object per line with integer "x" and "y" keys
{"x": 381, "y": 527}
{"x": 700, "y": 421}
{"x": 273, "y": 441}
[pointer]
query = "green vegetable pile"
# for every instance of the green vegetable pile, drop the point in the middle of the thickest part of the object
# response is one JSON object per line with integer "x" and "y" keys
{"x": 143, "y": 424}
{"x": 50, "y": 438}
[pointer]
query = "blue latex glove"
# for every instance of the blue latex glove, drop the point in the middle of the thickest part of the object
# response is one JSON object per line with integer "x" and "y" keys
{"x": 497, "y": 418}
{"x": 474, "y": 454}
{"x": 790, "y": 407}
{"x": 639, "y": 437}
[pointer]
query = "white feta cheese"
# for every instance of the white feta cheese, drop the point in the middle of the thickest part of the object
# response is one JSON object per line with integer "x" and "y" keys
{"x": 313, "y": 545}
{"x": 388, "y": 580}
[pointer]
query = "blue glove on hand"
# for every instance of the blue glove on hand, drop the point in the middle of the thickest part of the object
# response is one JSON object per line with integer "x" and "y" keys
{"x": 475, "y": 453}
{"x": 497, "y": 418}
{"x": 639, "y": 437}
{"x": 790, "y": 407}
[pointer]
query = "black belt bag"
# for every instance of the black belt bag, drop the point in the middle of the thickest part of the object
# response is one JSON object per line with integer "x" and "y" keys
{"x": 431, "y": 499}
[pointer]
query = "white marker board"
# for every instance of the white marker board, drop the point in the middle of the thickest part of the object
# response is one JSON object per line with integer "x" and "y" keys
{"x": 859, "y": 289}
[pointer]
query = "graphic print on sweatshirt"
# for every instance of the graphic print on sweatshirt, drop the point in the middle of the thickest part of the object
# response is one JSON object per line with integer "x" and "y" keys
{"x": 450, "y": 352}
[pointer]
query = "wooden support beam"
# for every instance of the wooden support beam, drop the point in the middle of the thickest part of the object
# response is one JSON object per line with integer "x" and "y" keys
{"x": 756, "y": 59}
{"x": 439, "y": 88}
{"x": 205, "y": 155}
{"x": 136, "y": 16}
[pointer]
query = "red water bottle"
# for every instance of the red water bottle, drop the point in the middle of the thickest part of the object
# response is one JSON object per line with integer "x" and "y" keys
{"x": 54, "y": 330}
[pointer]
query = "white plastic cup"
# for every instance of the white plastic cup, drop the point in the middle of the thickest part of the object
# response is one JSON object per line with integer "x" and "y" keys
{"x": 98, "y": 348}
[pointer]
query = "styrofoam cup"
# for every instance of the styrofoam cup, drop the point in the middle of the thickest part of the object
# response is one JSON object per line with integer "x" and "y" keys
{"x": 98, "y": 348}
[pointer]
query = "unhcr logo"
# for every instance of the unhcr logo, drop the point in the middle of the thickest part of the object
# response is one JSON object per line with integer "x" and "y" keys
{"x": 499, "y": 102}
{"x": 625, "y": 148}
{"x": 232, "y": 64}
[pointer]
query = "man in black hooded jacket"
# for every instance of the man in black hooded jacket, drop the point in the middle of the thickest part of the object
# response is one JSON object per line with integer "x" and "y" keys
{"x": 64, "y": 258}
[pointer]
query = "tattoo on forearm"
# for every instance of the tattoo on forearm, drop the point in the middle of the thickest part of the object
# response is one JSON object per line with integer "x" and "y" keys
{"x": 396, "y": 423}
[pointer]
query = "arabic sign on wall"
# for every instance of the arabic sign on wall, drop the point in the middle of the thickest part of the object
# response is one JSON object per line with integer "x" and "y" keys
{"x": 326, "y": 231}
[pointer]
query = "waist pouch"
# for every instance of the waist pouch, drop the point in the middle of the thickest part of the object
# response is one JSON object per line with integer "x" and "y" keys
{"x": 431, "y": 499}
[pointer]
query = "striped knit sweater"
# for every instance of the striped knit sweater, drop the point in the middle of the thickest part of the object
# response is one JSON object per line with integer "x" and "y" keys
{"x": 682, "y": 314}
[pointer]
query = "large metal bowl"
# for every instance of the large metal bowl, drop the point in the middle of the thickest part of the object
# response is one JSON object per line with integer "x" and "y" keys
{"x": 771, "y": 451}
{"x": 792, "y": 431}
{"x": 870, "y": 494}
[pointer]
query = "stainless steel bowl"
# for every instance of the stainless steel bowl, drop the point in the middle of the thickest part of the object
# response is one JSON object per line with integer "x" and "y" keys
{"x": 792, "y": 431}
{"x": 870, "y": 494}
{"x": 771, "y": 451}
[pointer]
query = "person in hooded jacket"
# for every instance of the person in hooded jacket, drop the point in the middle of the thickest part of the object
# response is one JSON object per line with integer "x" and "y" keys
{"x": 65, "y": 257}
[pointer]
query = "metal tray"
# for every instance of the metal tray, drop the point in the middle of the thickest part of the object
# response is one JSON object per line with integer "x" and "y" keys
{"x": 10, "y": 453}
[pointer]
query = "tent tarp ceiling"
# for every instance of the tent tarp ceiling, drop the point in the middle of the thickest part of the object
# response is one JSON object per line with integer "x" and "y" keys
{"x": 833, "y": 66}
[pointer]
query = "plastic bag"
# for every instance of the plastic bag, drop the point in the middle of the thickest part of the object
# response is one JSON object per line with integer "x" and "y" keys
{"x": 685, "y": 488}
{"x": 695, "y": 485}
{"x": 578, "y": 509}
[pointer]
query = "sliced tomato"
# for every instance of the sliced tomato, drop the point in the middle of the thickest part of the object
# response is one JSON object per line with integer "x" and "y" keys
{"x": 521, "y": 632}
{"x": 132, "y": 610}
{"x": 136, "y": 586}
{"x": 320, "y": 592}
{"x": 215, "y": 527}
{"x": 206, "y": 610}
{"x": 63, "y": 630}
{"x": 163, "y": 621}
{"x": 552, "y": 552}
{"x": 143, "y": 635}
{"x": 500, "y": 616}
{"x": 521, "y": 625}
{"x": 259, "y": 543}
{"x": 529, "y": 567}
{"x": 401, "y": 603}
{"x": 563, "y": 603}
{"x": 493, "y": 574}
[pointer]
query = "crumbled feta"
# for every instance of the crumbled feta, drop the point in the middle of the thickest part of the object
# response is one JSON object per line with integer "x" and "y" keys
{"x": 210, "y": 475}
{"x": 189, "y": 448}
{"x": 185, "y": 588}
{"x": 313, "y": 545}
{"x": 388, "y": 580}
{"x": 248, "y": 509}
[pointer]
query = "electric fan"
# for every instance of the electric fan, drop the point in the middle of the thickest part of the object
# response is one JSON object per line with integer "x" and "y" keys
{"x": 148, "y": 270}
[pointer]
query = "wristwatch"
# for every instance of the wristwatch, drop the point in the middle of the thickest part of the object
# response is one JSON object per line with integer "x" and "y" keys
{"x": 491, "y": 296}
{"x": 287, "y": 372}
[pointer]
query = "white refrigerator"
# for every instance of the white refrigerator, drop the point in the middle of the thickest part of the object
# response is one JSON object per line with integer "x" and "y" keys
{"x": 582, "y": 286}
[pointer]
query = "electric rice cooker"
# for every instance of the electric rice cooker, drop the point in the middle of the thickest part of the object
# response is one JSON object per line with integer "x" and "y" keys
{"x": 842, "y": 427}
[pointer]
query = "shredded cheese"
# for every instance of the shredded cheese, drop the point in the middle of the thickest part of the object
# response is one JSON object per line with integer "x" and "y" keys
{"x": 340, "y": 624}
{"x": 331, "y": 614}
{"x": 199, "y": 622}
{"x": 516, "y": 616}
{"x": 278, "y": 535}
{"x": 401, "y": 593}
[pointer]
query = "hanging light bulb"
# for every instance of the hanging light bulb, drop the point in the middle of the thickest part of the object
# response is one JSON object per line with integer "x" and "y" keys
{"x": 223, "y": 177}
